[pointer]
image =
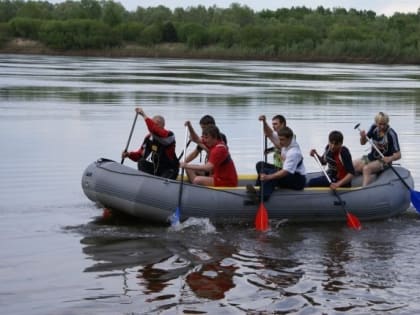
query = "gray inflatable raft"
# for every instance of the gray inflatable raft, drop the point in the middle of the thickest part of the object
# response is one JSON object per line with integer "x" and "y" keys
{"x": 122, "y": 188}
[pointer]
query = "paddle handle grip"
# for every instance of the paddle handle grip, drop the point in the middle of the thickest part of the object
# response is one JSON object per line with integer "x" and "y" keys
{"x": 370, "y": 141}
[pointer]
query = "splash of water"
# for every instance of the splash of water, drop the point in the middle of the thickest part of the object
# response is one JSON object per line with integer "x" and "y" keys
{"x": 201, "y": 224}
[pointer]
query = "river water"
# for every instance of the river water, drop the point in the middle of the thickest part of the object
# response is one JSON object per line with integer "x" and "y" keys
{"x": 57, "y": 255}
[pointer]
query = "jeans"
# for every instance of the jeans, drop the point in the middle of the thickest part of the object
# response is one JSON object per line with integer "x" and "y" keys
{"x": 294, "y": 181}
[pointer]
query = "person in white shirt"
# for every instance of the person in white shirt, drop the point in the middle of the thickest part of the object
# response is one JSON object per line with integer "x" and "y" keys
{"x": 293, "y": 173}
{"x": 278, "y": 122}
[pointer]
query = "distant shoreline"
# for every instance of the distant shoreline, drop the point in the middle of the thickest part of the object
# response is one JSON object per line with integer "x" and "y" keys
{"x": 176, "y": 51}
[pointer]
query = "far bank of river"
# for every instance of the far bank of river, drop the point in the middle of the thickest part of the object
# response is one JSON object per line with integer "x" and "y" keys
{"x": 23, "y": 46}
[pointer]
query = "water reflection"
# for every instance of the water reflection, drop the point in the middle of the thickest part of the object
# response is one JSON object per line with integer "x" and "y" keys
{"x": 186, "y": 268}
{"x": 337, "y": 255}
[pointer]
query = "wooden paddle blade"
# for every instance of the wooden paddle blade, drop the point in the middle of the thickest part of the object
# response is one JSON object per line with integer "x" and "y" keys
{"x": 353, "y": 222}
{"x": 415, "y": 199}
{"x": 261, "y": 219}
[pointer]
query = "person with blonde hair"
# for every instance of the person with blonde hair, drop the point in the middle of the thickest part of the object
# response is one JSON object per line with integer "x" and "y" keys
{"x": 385, "y": 139}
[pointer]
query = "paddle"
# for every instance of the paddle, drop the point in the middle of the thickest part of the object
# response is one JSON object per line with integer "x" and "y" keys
{"x": 175, "y": 217}
{"x": 182, "y": 153}
{"x": 414, "y": 195}
{"x": 261, "y": 219}
{"x": 265, "y": 149}
{"x": 129, "y": 137}
{"x": 352, "y": 221}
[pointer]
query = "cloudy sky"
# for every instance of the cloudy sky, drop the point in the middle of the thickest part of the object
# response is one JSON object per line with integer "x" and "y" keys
{"x": 379, "y": 6}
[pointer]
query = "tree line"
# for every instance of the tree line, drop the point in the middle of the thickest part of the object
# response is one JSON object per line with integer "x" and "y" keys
{"x": 297, "y": 33}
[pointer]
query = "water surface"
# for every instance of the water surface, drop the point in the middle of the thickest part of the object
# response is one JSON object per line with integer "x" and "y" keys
{"x": 58, "y": 114}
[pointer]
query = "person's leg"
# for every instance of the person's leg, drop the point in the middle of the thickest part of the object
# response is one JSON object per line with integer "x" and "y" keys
{"x": 203, "y": 180}
{"x": 292, "y": 181}
{"x": 266, "y": 168}
{"x": 320, "y": 181}
{"x": 370, "y": 170}
{"x": 259, "y": 166}
{"x": 268, "y": 187}
{"x": 145, "y": 166}
{"x": 191, "y": 174}
{"x": 171, "y": 173}
{"x": 358, "y": 165}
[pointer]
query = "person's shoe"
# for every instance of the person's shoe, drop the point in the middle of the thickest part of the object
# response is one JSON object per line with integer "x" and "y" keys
{"x": 253, "y": 195}
{"x": 250, "y": 189}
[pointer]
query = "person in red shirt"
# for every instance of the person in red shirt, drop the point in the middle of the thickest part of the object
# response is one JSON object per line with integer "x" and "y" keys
{"x": 156, "y": 155}
{"x": 220, "y": 165}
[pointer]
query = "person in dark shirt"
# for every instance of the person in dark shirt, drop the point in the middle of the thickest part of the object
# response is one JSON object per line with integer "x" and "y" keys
{"x": 156, "y": 155}
{"x": 385, "y": 140}
{"x": 339, "y": 161}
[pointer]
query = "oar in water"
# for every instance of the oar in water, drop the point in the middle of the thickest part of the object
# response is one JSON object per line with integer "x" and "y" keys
{"x": 261, "y": 219}
{"x": 414, "y": 195}
{"x": 352, "y": 221}
{"x": 129, "y": 137}
{"x": 177, "y": 214}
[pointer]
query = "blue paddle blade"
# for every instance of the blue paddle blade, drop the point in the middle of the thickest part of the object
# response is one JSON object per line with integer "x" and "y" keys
{"x": 175, "y": 217}
{"x": 415, "y": 199}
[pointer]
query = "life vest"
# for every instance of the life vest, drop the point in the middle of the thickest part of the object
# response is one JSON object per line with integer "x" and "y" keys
{"x": 161, "y": 152}
{"x": 380, "y": 142}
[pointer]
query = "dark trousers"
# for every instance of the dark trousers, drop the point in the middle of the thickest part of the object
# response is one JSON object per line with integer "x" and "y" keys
{"x": 149, "y": 168}
{"x": 322, "y": 181}
{"x": 266, "y": 168}
{"x": 294, "y": 181}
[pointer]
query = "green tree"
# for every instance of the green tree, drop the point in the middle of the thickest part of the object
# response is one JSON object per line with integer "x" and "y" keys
{"x": 9, "y": 9}
{"x": 78, "y": 34}
{"x": 152, "y": 34}
{"x": 169, "y": 33}
{"x": 226, "y": 35}
{"x": 241, "y": 15}
{"x": 193, "y": 34}
{"x": 156, "y": 15}
{"x": 345, "y": 33}
{"x": 92, "y": 9}
{"x": 69, "y": 9}
{"x": 130, "y": 31}
{"x": 25, "y": 27}
{"x": 5, "y": 33}
{"x": 113, "y": 13}
{"x": 35, "y": 10}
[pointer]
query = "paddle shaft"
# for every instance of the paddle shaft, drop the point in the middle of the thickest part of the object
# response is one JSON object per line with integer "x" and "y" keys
{"x": 183, "y": 151}
{"x": 322, "y": 168}
{"x": 261, "y": 218}
{"x": 264, "y": 158}
{"x": 329, "y": 180}
{"x": 129, "y": 137}
{"x": 183, "y": 169}
{"x": 382, "y": 156}
{"x": 265, "y": 149}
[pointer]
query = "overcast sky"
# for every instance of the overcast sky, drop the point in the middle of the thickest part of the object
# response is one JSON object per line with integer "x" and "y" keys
{"x": 379, "y": 6}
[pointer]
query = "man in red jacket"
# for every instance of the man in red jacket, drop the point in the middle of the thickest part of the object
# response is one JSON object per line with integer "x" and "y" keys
{"x": 156, "y": 155}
